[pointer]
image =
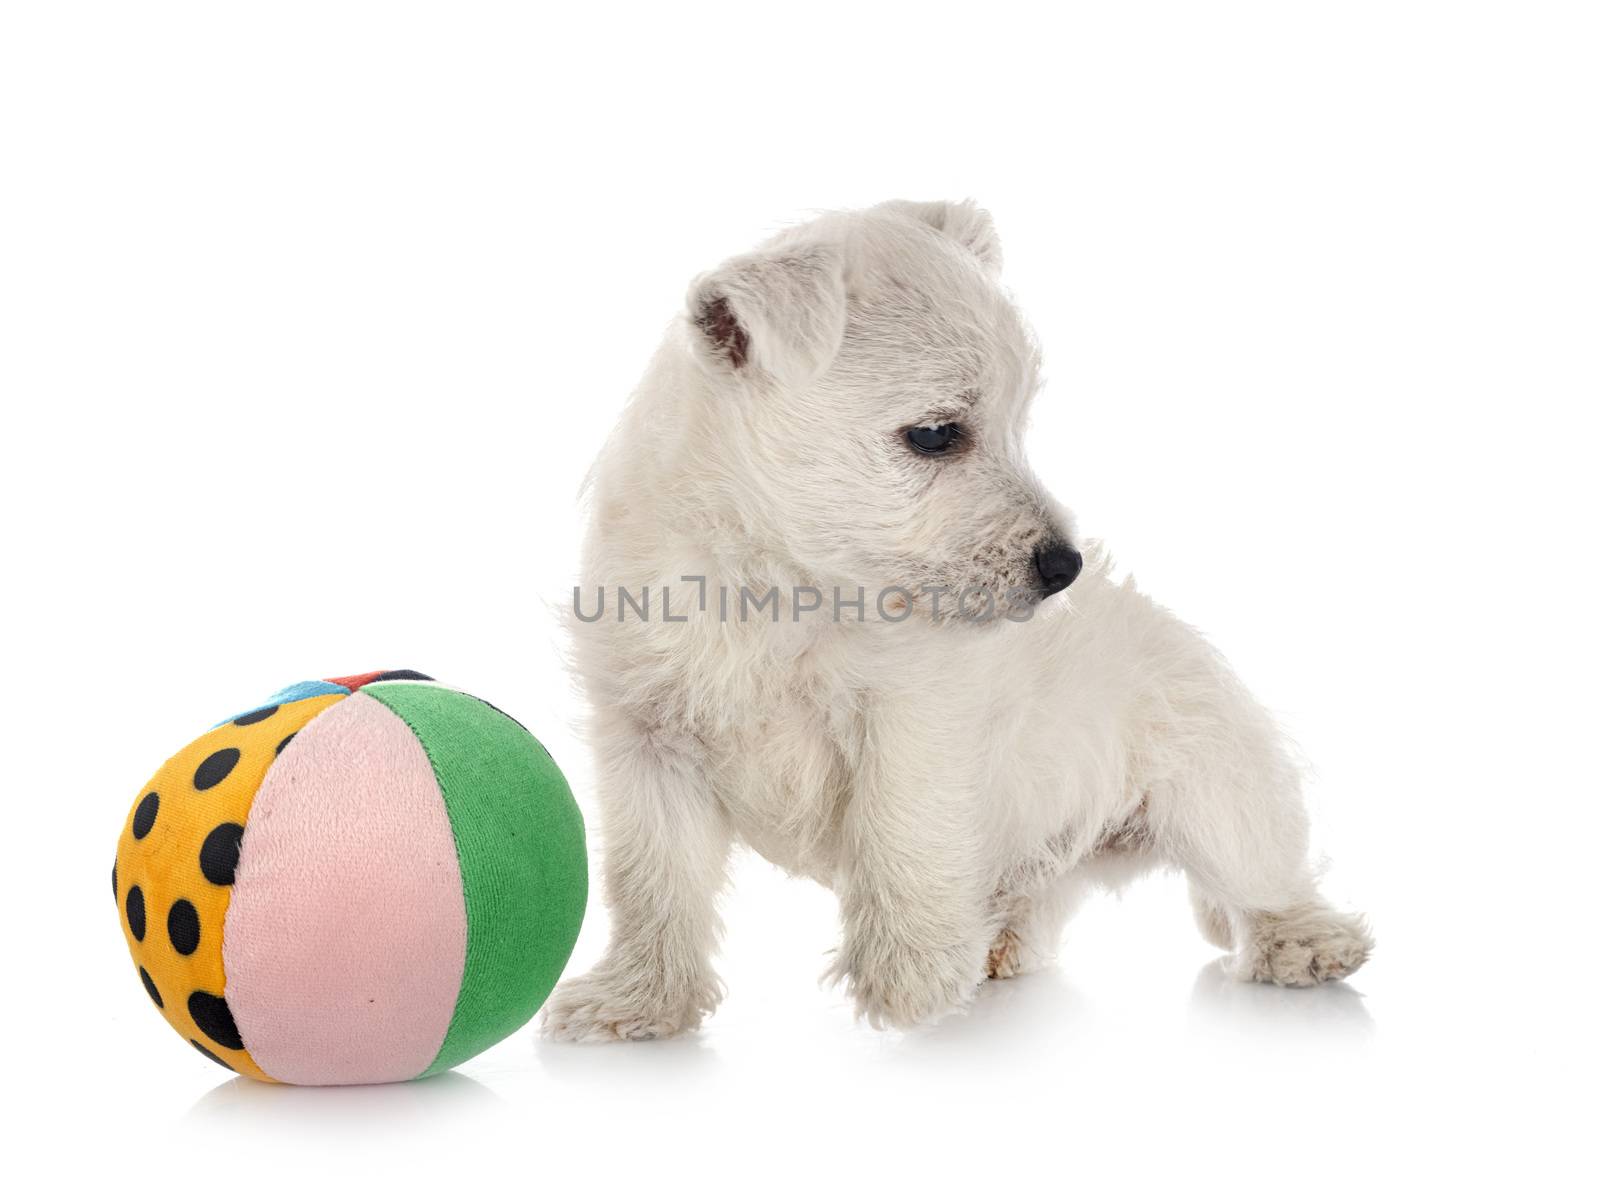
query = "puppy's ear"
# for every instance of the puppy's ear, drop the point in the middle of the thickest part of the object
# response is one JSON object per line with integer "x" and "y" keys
{"x": 961, "y": 220}
{"x": 780, "y": 311}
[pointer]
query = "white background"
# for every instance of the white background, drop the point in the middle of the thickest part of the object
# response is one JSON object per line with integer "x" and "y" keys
{"x": 312, "y": 317}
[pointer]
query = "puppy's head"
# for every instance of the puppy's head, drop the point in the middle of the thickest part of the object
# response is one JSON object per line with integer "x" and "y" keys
{"x": 869, "y": 383}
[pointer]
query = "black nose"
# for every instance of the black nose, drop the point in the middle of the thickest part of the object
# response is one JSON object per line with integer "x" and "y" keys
{"x": 1057, "y": 564}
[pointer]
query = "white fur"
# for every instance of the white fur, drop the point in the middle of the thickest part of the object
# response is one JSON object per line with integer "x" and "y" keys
{"x": 956, "y": 783}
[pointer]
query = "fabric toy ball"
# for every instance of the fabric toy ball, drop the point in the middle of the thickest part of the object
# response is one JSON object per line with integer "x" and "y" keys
{"x": 365, "y": 879}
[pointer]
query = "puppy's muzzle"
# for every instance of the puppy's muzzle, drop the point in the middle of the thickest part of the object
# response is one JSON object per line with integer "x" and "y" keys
{"x": 1056, "y": 564}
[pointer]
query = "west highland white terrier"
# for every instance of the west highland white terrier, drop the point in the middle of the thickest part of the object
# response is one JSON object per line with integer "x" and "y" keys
{"x": 816, "y": 616}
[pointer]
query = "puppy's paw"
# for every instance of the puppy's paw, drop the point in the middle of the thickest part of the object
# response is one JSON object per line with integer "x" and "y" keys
{"x": 894, "y": 985}
{"x": 1303, "y": 947}
{"x": 606, "y": 1005}
{"x": 1008, "y": 956}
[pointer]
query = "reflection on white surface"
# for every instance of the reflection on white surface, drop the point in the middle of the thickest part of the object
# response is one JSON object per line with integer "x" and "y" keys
{"x": 1006, "y": 1018}
{"x": 642, "y": 1064}
{"x": 344, "y": 1111}
{"x": 1221, "y": 1007}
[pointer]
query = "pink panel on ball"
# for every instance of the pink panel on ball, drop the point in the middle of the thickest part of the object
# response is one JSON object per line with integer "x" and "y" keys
{"x": 346, "y": 935}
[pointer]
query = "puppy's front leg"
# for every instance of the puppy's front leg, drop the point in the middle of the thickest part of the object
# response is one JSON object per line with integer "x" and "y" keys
{"x": 666, "y": 847}
{"x": 911, "y": 894}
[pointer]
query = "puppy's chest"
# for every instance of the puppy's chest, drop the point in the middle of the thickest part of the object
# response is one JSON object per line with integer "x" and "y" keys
{"x": 782, "y": 776}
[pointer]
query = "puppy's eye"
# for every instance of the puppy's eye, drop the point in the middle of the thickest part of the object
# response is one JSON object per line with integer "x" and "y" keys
{"x": 933, "y": 439}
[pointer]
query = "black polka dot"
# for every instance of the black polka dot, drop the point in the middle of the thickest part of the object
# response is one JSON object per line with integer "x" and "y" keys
{"x": 144, "y": 816}
{"x": 183, "y": 927}
{"x": 135, "y": 907}
{"x": 204, "y": 1052}
{"x": 150, "y": 987}
{"x": 215, "y": 768}
{"x": 114, "y": 891}
{"x": 219, "y": 853}
{"x": 284, "y": 744}
{"x": 255, "y": 717}
{"x": 211, "y": 1013}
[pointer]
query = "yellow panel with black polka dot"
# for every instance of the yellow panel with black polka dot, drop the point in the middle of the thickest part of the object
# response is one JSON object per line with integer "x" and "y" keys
{"x": 174, "y": 870}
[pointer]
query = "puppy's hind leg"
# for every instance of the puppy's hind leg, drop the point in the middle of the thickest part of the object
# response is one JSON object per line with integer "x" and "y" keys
{"x": 666, "y": 847}
{"x": 1252, "y": 888}
{"x": 1211, "y": 918}
{"x": 1292, "y": 948}
{"x": 1234, "y": 819}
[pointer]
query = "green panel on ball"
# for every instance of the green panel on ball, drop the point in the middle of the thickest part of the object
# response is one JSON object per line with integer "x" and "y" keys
{"x": 524, "y": 869}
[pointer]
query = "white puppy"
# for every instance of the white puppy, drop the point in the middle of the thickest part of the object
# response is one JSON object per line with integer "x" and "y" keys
{"x": 822, "y": 570}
